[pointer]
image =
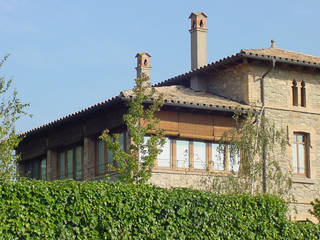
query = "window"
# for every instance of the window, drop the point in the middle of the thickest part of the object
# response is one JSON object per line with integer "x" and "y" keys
{"x": 36, "y": 168}
{"x": 78, "y": 162}
{"x": 199, "y": 155}
{"x": 164, "y": 158}
{"x": 101, "y": 157}
{"x": 183, "y": 160}
{"x": 143, "y": 153}
{"x": 303, "y": 94}
{"x": 218, "y": 157}
{"x": 61, "y": 167}
{"x": 300, "y": 153}
{"x": 104, "y": 157}
{"x": 43, "y": 167}
{"x": 70, "y": 163}
{"x": 294, "y": 93}
{"x": 233, "y": 159}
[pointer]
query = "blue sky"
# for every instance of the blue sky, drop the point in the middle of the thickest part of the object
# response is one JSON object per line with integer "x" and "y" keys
{"x": 68, "y": 55}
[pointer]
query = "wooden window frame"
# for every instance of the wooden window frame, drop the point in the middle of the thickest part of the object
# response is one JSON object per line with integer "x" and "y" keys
{"x": 64, "y": 151}
{"x": 96, "y": 160}
{"x": 209, "y": 162}
{"x": 306, "y": 154}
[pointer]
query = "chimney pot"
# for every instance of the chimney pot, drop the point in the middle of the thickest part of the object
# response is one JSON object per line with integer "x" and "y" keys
{"x": 143, "y": 64}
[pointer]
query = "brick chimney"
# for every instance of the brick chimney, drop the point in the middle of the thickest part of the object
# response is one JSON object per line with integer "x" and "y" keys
{"x": 198, "y": 34}
{"x": 143, "y": 64}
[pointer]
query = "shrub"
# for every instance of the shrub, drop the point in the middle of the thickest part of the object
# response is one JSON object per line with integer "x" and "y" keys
{"x": 104, "y": 210}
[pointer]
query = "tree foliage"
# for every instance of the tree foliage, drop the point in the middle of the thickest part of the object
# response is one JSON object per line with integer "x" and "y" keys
{"x": 11, "y": 110}
{"x": 134, "y": 165}
{"x": 253, "y": 136}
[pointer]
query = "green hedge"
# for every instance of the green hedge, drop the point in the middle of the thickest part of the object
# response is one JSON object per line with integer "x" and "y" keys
{"x": 102, "y": 210}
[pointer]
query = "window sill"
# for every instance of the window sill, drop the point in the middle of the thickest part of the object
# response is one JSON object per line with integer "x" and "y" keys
{"x": 303, "y": 180}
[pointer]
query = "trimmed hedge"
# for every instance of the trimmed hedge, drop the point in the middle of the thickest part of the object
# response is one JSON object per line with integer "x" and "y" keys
{"x": 104, "y": 210}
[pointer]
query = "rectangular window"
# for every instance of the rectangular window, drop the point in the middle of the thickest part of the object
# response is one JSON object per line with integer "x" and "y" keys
{"x": 62, "y": 166}
{"x": 234, "y": 159}
{"x": 218, "y": 157}
{"x": 78, "y": 162}
{"x": 183, "y": 160}
{"x": 300, "y": 153}
{"x": 144, "y": 153}
{"x": 28, "y": 169}
{"x": 43, "y": 167}
{"x": 70, "y": 163}
{"x": 164, "y": 158}
{"x": 101, "y": 156}
{"x": 35, "y": 169}
{"x": 199, "y": 155}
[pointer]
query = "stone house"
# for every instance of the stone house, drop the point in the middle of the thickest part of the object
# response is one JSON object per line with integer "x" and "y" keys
{"x": 198, "y": 109}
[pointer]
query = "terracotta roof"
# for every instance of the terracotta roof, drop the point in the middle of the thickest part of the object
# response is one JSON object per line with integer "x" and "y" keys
{"x": 264, "y": 54}
{"x": 71, "y": 115}
{"x": 202, "y": 98}
{"x": 178, "y": 94}
{"x": 278, "y": 53}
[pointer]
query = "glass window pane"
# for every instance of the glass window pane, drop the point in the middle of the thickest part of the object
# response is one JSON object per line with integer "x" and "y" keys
{"x": 300, "y": 138}
{"x": 294, "y": 137}
{"x": 110, "y": 157}
{"x": 101, "y": 157}
{"x": 62, "y": 166}
{"x": 234, "y": 159}
{"x": 143, "y": 153}
{"x": 199, "y": 155}
{"x": 27, "y": 169}
{"x": 218, "y": 162}
{"x": 121, "y": 140}
{"x": 301, "y": 159}
{"x": 164, "y": 158}
{"x": 70, "y": 163}
{"x": 35, "y": 169}
{"x": 43, "y": 166}
{"x": 78, "y": 162}
{"x": 294, "y": 158}
{"x": 182, "y": 153}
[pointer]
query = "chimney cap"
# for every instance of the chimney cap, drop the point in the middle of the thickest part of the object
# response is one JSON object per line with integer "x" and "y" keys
{"x": 198, "y": 14}
{"x": 143, "y": 53}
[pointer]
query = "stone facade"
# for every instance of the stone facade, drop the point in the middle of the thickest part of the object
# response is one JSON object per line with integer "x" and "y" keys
{"x": 201, "y": 109}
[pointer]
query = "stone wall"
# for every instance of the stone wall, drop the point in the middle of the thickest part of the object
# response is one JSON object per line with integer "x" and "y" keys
{"x": 231, "y": 83}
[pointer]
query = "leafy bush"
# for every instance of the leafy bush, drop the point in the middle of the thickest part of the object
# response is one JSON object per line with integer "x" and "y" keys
{"x": 316, "y": 209}
{"x": 104, "y": 210}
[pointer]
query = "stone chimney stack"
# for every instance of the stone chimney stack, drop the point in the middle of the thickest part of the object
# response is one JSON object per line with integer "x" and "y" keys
{"x": 198, "y": 33}
{"x": 143, "y": 64}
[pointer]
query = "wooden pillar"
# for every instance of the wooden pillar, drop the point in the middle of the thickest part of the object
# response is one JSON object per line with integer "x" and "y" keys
{"x": 89, "y": 155}
{"x": 52, "y": 164}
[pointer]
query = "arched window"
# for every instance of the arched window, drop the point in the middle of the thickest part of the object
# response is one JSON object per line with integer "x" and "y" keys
{"x": 193, "y": 24}
{"x": 294, "y": 93}
{"x": 303, "y": 94}
{"x": 145, "y": 62}
{"x": 201, "y": 23}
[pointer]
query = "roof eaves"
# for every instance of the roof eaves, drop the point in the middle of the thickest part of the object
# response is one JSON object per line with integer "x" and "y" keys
{"x": 68, "y": 117}
{"x": 279, "y": 59}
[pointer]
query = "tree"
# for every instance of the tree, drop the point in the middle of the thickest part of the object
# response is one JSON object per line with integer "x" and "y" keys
{"x": 135, "y": 164}
{"x": 261, "y": 146}
{"x": 11, "y": 110}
